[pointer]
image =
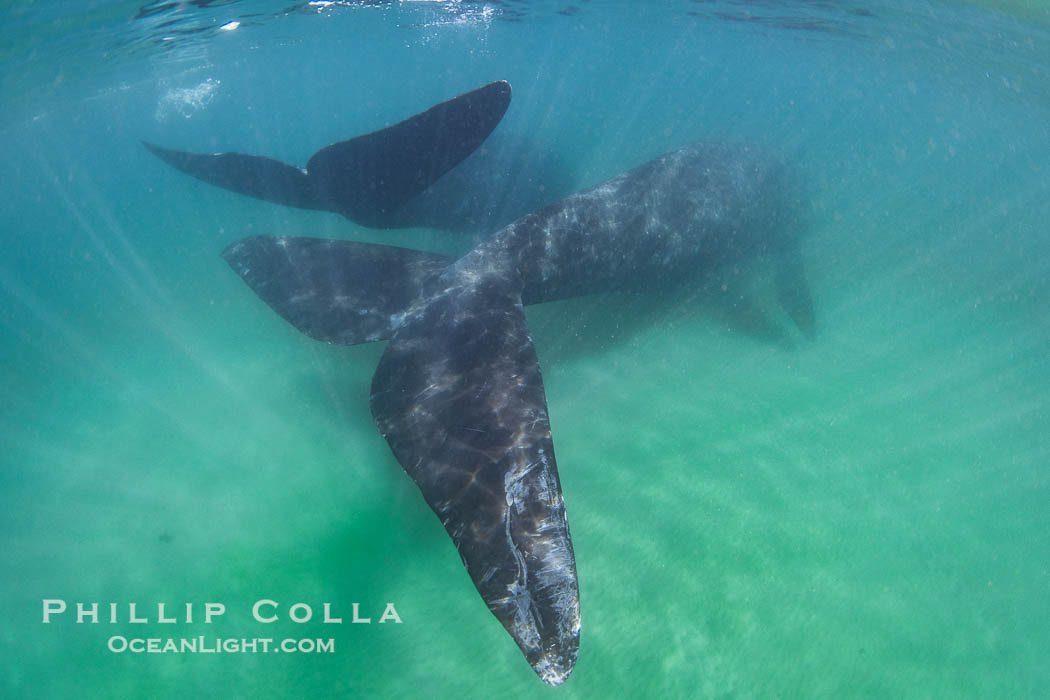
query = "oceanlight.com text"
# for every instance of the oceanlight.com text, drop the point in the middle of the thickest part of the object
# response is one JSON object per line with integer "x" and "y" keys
{"x": 218, "y": 645}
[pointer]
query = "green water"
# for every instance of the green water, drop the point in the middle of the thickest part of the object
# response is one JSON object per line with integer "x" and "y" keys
{"x": 863, "y": 515}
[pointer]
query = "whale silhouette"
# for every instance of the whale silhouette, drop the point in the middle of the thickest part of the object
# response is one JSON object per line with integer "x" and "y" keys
{"x": 458, "y": 393}
{"x": 426, "y": 171}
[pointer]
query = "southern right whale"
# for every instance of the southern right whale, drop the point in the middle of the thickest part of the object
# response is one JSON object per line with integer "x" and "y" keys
{"x": 458, "y": 393}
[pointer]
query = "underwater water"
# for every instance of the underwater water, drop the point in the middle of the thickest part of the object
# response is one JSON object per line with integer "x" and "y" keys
{"x": 864, "y": 514}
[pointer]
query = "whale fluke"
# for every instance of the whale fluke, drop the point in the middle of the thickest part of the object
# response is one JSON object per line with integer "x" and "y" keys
{"x": 461, "y": 366}
{"x": 335, "y": 291}
{"x": 463, "y": 370}
{"x": 367, "y": 179}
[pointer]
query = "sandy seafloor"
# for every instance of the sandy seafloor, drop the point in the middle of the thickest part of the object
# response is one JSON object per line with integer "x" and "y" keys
{"x": 863, "y": 515}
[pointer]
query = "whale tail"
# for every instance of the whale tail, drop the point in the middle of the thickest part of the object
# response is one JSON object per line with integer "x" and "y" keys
{"x": 459, "y": 397}
{"x": 334, "y": 291}
{"x": 369, "y": 178}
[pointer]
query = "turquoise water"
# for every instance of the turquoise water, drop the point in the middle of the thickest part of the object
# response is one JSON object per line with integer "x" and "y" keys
{"x": 863, "y": 515}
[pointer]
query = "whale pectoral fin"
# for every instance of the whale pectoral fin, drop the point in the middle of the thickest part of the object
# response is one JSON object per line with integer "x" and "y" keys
{"x": 370, "y": 176}
{"x": 793, "y": 292}
{"x": 743, "y": 312}
{"x": 255, "y": 176}
{"x": 335, "y": 291}
{"x": 459, "y": 398}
